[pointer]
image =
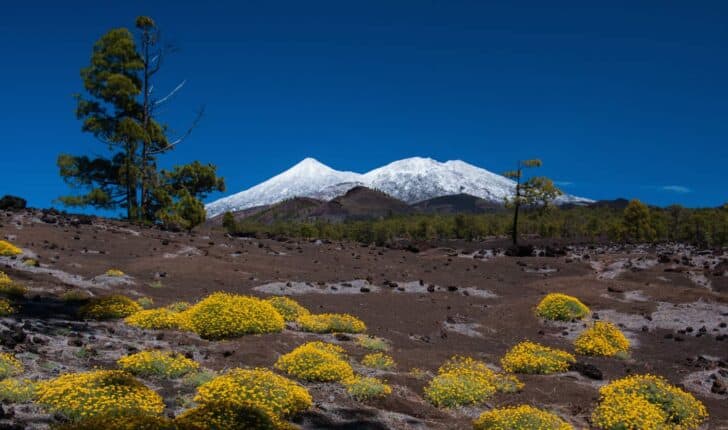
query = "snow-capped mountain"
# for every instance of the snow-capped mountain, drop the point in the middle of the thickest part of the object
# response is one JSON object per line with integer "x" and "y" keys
{"x": 411, "y": 180}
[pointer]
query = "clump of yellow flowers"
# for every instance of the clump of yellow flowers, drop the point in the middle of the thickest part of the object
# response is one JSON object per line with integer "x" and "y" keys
{"x": 9, "y": 365}
{"x": 239, "y": 388}
{"x": 530, "y": 357}
{"x": 5, "y": 308}
{"x": 10, "y": 288}
{"x": 126, "y": 422}
{"x": 222, "y": 415}
{"x": 156, "y": 319}
{"x": 114, "y": 273}
{"x": 602, "y": 338}
{"x": 15, "y": 390}
{"x": 98, "y": 393}
{"x": 109, "y": 307}
{"x": 561, "y": 307}
{"x": 522, "y": 417}
{"x": 7, "y": 249}
{"x": 647, "y": 402}
{"x": 331, "y": 323}
{"x": 289, "y": 309}
{"x": 158, "y": 363}
{"x": 372, "y": 342}
{"x": 367, "y": 388}
{"x": 378, "y": 360}
{"x": 465, "y": 381}
{"x": 316, "y": 361}
{"x": 223, "y": 315}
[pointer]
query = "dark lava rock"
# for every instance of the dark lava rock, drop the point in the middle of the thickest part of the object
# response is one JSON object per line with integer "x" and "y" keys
{"x": 520, "y": 251}
{"x": 588, "y": 370}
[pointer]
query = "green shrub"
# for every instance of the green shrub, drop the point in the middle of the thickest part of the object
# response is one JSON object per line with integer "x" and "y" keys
{"x": 289, "y": 309}
{"x": 222, "y": 315}
{"x": 109, "y": 307}
{"x": 331, "y": 323}
{"x": 372, "y": 343}
{"x": 378, "y": 360}
{"x": 161, "y": 364}
{"x": 14, "y": 390}
{"x": 561, "y": 307}
{"x": 364, "y": 388}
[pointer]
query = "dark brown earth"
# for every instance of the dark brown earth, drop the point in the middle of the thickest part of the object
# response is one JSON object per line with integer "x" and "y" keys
{"x": 481, "y": 306}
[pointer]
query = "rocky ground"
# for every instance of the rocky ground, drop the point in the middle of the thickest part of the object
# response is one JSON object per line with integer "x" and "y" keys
{"x": 463, "y": 298}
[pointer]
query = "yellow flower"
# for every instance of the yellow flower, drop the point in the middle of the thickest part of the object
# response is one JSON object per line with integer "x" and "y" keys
{"x": 156, "y": 319}
{"x": 331, "y": 323}
{"x": 378, "y": 360}
{"x": 561, "y": 307}
{"x": 10, "y": 366}
{"x": 529, "y": 357}
{"x": 109, "y": 307}
{"x": 7, "y": 249}
{"x": 366, "y": 388}
{"x": 157, "y": 363}
{"x": 602, "y": 338}
{"x": 223, "y": 315}
{"x": 289, "y": 309}
{"x": 316, "y": 361}
{"x": 465, "y": 381}
{"x": 521, "y": 417}
{"x": 647, "y": 402}
{"x": 98, "y": 393}
{"x": 114, "y": 273}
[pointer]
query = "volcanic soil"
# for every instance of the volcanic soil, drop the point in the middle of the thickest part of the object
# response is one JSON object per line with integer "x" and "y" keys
{"x": 460, "y": 298}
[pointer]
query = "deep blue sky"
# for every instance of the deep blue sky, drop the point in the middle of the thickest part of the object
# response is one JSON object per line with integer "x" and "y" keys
{"x": 625, "y": 98}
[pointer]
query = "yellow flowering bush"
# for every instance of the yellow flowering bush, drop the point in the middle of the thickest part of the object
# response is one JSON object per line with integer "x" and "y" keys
{"x": 372, "y": 342}
{"x": 109, "y": 307}
{"x": 31, "y": 262}
{"x": 223, "y": 315}
{"x": 14, "y": 390}
{"x": 259, "y": 387}
{"x": 366, "y": 388}
{"x": 128, "y": 422}
{"x": 602, "y": 338}
{"x": 289, "y": 309}
{"x": 331, "y": 323}
{"x": 226, "y": 416}
{"x": 523, "y": 417}
{"x": 530, "y": 357}
{"x": 156, "y": 319}
{"x": 647, "y": 402}
{"x": 10, "y": 288}
{"x": 316, "y": 361}
{"x": 179, "y": 306}
{"x": 98, "y": 393}
{"x": 466, "y": 381}
{"x": 158, "y": 363}
{"x": 7, "y": 249}
{"x": 561, "y": 307}
{"x": 9, "y": 365}
{"x": 5, "y": 308}
{"x": 114, "y": 273}
{"x": 378, "y": 360}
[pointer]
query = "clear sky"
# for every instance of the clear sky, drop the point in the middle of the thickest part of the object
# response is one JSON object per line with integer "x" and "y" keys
{"x": 618, "y": 98}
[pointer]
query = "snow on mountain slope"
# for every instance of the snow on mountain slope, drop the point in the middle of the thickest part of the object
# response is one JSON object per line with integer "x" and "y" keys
{"x": 308, "y": 178}
{"x": 411, "y": 180}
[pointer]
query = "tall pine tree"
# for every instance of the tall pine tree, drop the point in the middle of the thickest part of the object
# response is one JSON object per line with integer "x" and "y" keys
{"x": 119, "y": 110}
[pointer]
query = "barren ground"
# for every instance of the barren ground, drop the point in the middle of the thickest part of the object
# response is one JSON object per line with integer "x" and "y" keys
{"x": 430, "y": 305}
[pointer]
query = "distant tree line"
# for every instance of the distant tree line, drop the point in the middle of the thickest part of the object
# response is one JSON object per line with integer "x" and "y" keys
{"x": 636, "y": 223}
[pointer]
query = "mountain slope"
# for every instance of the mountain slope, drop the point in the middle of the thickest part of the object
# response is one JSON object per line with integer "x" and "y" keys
{"x": 411, "y": 180}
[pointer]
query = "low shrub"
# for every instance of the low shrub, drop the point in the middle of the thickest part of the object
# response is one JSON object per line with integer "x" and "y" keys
{"x": 10, "y": 366}
{"x": 464, "y": 381}
{"x": 221, "y": 415}
{"x": 602, "y": 338}
{"x": 223, "y": 315}
{"x": 316, "y": 361}
{"x": 4, "y": 278}
{"x": 10, "y": 288}
{"x": 259, "y": 387}
{"x": 530, "y": 357}
{"x": 71, "y": 296}
{"x": 366, "y": 388}
{"x": 7, "y": 249}
{"x": 331, "y": 323}
{"x": 115, "y": 273}
{"x": 156, "y": 319}
{"x": 31, "y": 262}
{"x": 195, "y": 379}
{"x": 289, "y": 309}
{"x": 6, "y": 308}
{"x": 561, "y": 307}
{"x": 647, "y": 402}
{"x": 521, "y": 417}
{"x": 109, "y": 307}
{"x": 146, "y": 302}
{"x": 372, "y": 343}
{"x": 162, "y": 364}
{"x": 109, "y": 393}
{"x": 378, "y": 360}
{"x": 14, "y": 390}
{"x": 179, "y": 306}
